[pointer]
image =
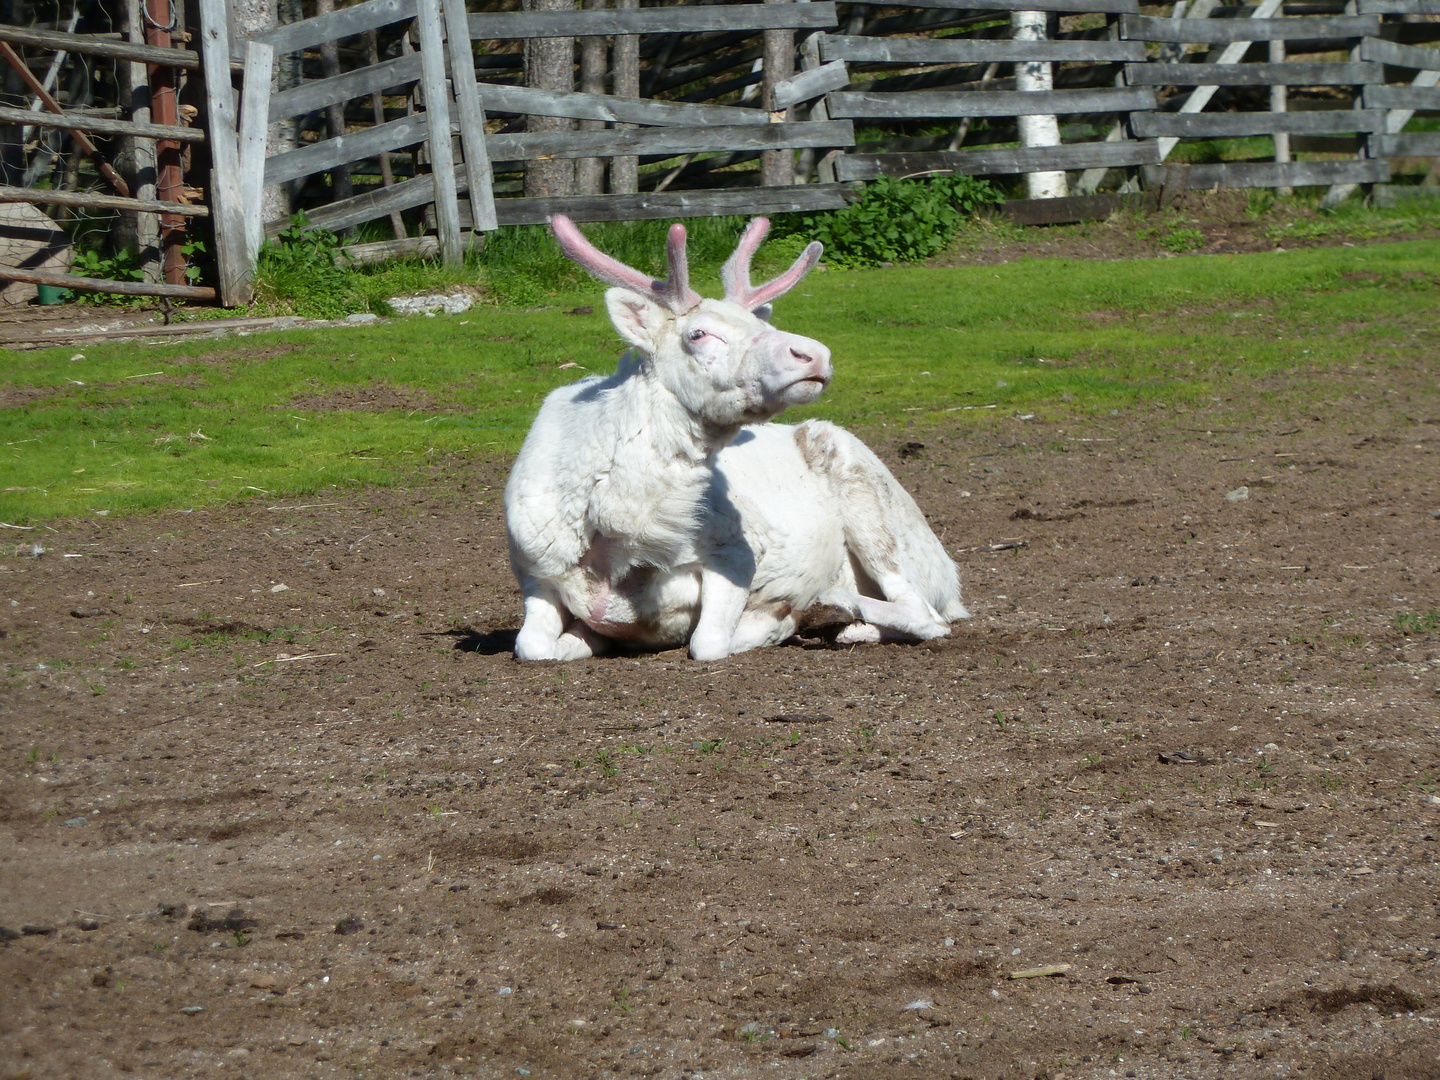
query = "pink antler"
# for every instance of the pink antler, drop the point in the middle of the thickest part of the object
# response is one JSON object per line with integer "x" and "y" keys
{"x": 674, "y": 294}
{"x": 736, "y": 271}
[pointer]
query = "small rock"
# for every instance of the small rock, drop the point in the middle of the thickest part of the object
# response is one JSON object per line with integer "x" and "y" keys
{"x": 192, "y": 1010}
{"x": 362, "y": 318}
{"x": 505, "y": 991}
{"x": 31, "y": 930}
{"x": 414, "y": 305}
{"x": 1240, "y": 494}
{"x": 86, "y": 612}
{"x": 583, "y": 310}
{"x": 349, "y": 925}
{"x": 378, "y": 592}
{"x": 87, "y": 923}
{"x": 282, "y": 587}
{"x": 921, "y": 1003}
{"x": 7, "y": 935}
{"x": 77, "y": 821}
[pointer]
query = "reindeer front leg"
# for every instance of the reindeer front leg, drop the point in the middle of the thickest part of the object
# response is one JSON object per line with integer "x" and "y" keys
{"x": 722, "y": 604}
{"x": 549, "y": 631}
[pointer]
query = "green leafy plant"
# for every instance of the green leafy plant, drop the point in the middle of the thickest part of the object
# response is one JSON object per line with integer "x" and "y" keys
{"x": 121, "y": 266}
{"x": 298, "y": 271}
{"x": 898, "y": 220}
{"x": 1416, "y": 622}
{"x": 1180, "y": 239}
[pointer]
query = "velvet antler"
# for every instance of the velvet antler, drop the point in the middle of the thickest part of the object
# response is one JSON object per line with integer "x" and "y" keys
{"x": 674, "y": 294}
{"x": 736, "y": 271}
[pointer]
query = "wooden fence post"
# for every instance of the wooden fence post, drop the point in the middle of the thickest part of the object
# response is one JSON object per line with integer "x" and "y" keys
{"x": 437, "y": 112}
{"x": 226, "y": 206}
{"x": 590, "y": 172}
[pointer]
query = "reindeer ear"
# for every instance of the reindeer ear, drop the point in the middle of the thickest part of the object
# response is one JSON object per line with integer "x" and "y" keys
{"x": 763, "y": 312}
{"x": 637, "y": 318}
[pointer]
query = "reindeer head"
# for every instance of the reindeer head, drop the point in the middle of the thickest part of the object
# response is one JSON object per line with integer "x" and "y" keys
{"x": 720, "y": 358}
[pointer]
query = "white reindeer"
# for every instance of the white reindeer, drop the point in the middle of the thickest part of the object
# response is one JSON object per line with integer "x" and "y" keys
{"x": 655, "y": 506}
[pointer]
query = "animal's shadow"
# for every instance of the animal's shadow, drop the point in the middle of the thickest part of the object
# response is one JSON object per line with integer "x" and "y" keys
{"x": 484, "y": 642}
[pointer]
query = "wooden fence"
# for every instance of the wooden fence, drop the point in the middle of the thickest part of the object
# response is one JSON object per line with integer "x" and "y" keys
{"x": 824, "y": 96}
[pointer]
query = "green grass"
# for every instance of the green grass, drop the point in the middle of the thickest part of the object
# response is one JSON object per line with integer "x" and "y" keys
{"x": 242, "y": 419}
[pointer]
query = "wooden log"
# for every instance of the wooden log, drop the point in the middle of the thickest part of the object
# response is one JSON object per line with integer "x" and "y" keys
{"x": 347, "y": 22}
{"x": 777, "y": 64}
{"x": 480, "y": 182}
{"x": 1396, "y": 55}
{"x": 1408, "y": 144}
{"x": 254, "y": 127}
{"x": 1228, "y": 31}
{"x": 1259, "y": 174}
{"x": 1109, "y": 7}
{"x": 973, "y": 50}
{"x": 922, "y": 103}
{"x": 1287, "y": 74}
{"x": 1239, "y": 125}
{"x": 100, "y": 125}
{"x": 1399, "y": 7}
{"x": 1425, "y": 98}
{"x": 488, "y": 25}
{"x": 87, "y": 200}
{"x": 1075, "y": 208}
{"x": 410, "y": 247}
{"x": 1001, "y": 161}
{"x": 89, "y": 284}
{"x": 437, "y": 107}
{"x": 594, "y": 52}
{"x": 811, "y": 84}
{"x": 89, "y": 45}
{"x": 226, "y": 204}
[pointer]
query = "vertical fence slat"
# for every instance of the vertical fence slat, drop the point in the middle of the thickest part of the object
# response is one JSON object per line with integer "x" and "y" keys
{"x": 226, "y": 208}
{"x": 480, "y": 181}
{"x": 625, "y": 83}
{"x": 437, "y": 109}
{"x": 254, "y": 127}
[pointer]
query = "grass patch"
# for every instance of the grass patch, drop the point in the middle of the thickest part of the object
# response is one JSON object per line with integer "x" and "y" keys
{"x": 319, "y": 413}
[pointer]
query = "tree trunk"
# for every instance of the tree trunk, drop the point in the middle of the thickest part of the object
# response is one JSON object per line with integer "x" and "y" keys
{"x": 777, "y": 167}
{"x": 549, "y": 65}
{"x": 625, "y": 82}
{"x": 1037, "y": 130}
{"x": 590, "y": 172}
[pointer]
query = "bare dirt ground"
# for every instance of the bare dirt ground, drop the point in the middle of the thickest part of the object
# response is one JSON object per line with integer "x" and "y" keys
{"x": 275, "y": 801}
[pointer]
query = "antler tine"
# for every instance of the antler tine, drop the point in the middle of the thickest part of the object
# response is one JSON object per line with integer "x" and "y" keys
{"x": 735, "y": 274}
{"x": 674, "y": 294}
{"x": 736, "y": 271}
{"x": 680, "y": 296}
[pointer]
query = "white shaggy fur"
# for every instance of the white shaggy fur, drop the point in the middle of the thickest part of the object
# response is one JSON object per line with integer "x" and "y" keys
{"x": 655, "y": 507}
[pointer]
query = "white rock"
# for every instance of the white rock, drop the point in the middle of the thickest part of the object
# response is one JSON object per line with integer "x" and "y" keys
{"x": 1238, "y": 495}
{"x": 451, "y": 304}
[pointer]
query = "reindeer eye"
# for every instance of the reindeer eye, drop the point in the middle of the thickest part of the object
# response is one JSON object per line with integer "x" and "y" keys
{"x": 696, "y": 334}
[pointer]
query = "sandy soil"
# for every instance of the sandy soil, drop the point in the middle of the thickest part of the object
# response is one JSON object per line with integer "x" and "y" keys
{"x": 275, "y": 801}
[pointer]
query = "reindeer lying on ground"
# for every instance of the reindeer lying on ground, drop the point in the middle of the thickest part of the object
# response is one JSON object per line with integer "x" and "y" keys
{"x": 656, "y": 506}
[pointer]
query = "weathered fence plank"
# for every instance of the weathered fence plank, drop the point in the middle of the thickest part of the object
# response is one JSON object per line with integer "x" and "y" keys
{"x": 1408, "y": 144}
{"x": 1238, "y": 125}
{"x": 524, "y": 100}
{"x": 254, "y": 128}
{"x": 663, "y": 142}
{"x": 1248, "y": 174}
{"x": 876, "y": 50}
{"x": 102, "y": 285}
{"x": 1284, "y": 74}
{"x": 318, "y": 93}
{"x": 492, "y": 25}
{"x": 100, "y": 125}
{"x": 353, "y": 146}
{"x": 1426, "y": 98}
{"x": 650, "y": 205}
{"x": 938, "y": 103}
{"x": 1226, "y": 31}
{"x": 1003, "y": 161}
{"x": 811, "y": 84}
{"x": 226, "y": 204}
{"x": 442, "y": 154}
{"x": 1396, "y": 55}
{"x": 97, "y": 46}
{"x": 292, "y": 37}
{"x": 480, "y": 181}
{"x": 1399, "y": 7}
{"x": 91, "y": 200}
{"x": 1109, "y": 7}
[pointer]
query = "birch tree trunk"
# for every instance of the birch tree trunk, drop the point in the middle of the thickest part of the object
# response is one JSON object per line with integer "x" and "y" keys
{"x": 1037, "y": 130}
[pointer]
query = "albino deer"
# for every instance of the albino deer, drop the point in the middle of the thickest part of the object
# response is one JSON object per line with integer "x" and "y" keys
{"x": 655, "y": 506}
